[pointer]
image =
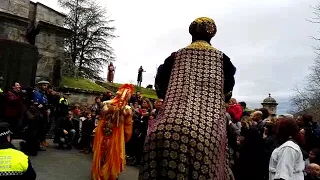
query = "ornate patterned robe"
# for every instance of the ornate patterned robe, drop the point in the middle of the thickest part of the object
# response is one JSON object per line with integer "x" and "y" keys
{"x": 189, "y": 138}
{"x": 109, "y": 151}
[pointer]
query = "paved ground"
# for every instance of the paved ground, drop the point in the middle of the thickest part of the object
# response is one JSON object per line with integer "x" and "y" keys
{"x": 55, "y": 164}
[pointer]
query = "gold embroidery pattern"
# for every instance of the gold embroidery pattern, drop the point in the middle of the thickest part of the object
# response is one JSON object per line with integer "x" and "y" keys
{"x": 201, "y": 45}
{"x": 189, "y": 141}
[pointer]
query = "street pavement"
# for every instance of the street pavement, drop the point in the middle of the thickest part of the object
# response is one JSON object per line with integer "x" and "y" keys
{"x": 55, "y": 164}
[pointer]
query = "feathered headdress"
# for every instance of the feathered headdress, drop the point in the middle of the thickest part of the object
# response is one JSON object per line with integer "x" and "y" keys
{"x": 111, "y": 109}
{"x": 122, "y": 96}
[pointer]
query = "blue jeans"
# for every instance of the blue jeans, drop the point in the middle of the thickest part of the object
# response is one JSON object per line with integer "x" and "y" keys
{"x": 68, "y": 138}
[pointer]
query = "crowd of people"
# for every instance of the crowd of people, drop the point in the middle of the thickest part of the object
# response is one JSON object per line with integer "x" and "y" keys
{"x": 261, "y": 144}
{"x": 265, "y": 146}
{"x": 36, "y": 114}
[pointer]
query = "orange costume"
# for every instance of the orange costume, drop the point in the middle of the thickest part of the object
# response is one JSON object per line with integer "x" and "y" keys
{"x": 113, "y": 130}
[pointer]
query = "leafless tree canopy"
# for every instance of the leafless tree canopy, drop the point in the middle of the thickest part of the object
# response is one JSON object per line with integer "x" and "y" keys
{"x": 89, "y": 44}
{"x": 307, "y": 100}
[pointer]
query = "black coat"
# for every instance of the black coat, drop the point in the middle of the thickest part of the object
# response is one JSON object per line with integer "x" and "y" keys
{"x": 66, "y": 124}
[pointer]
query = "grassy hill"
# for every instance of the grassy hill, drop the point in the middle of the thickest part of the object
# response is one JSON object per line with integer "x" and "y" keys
{"x": 99, "y": 86}
{"x": 148, "y": 93}
{"x": 81, "y": 83}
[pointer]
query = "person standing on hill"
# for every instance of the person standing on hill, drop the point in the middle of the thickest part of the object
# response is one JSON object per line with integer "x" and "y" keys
{"x": 111, "y": 70}
{"x": 140, "y": 71}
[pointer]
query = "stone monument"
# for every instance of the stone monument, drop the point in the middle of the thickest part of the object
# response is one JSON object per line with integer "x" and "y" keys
{"x": 271, "y": 104}
{"x": 35, "y": 24}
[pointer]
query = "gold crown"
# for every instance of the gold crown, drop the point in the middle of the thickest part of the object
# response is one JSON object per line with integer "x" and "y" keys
{"x": 204, "y": 20}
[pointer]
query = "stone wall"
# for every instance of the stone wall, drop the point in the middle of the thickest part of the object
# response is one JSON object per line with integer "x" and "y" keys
{"x": 50, "y": 45}
{"x": 17, "y": 17}
{"x": 15, "y": 7}
{"x": 15, "y": 32}
{"x": 49, "y": 15}
{"x": 50, "y": 40}
{"x": 82, "y": 97}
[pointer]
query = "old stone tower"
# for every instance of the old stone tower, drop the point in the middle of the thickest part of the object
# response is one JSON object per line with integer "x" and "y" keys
{"x": 35, "y": 24}
{"x": 271, "y": 104}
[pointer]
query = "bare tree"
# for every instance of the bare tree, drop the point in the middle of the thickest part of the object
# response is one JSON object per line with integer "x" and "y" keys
{"x": 89, "y": 44}
{"x": 307, "y": 100}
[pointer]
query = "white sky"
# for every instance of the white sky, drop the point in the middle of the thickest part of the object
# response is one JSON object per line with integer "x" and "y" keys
{"x": 267, "y": 40}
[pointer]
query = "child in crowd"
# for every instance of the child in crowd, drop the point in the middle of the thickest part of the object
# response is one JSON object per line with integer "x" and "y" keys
{"x": 87, "y": 127}
{"x": 136, "y": 106}
{"x": 76, "y": 111}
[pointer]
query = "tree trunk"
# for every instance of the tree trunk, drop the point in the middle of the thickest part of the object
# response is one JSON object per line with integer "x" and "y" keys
{"x": 74, "y": 55}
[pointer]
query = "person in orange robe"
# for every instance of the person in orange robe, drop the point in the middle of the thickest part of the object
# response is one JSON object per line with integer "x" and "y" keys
{"x": 113, "y": 130}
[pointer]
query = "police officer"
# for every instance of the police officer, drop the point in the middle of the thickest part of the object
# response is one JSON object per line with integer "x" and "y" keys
{"x": 64, "y": 105}
{"x": 14, "y": 164}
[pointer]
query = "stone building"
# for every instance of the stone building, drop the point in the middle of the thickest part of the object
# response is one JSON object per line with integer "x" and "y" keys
{"x": 36, "y": 24}
{"x": 271, "y": 104}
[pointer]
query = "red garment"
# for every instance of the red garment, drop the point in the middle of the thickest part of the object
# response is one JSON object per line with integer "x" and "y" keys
{"x": 13, "y": 105}
{"x": 142, "y": 111}
{"x": 235, "y": 111}
{"x": 76, "y": 112}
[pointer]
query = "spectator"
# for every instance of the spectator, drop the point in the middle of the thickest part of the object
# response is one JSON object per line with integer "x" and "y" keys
{"x": 257, "y": 118}
{"x": 106, "y": 96}
{"x": 314, "y": 172}
{"x": 311, "y": 131}
{"x": 97, "y": 105}
{"x": 31, "y": 144}
{"x": 286, "y": 161}
{"x": 244, "y": 109}
{"x": 265, "y": 114}
{"x": 157, "y": 105}
{"x": 314, "y": 157}
{"x": 64, "y": 105}
{"x": 76, "y": 111}
{"x": 87, "y": 127}
{"x": 13, "y": 107}
{"x": 40, "y": 97}
{"x": 53, "y": 102}
{"x": 66, "y": 131}
{"x": 269, "y": 145}
{"x": 250, "y": 161}
{"x": 235, "y": 110}
{"x": 136, "y": 98}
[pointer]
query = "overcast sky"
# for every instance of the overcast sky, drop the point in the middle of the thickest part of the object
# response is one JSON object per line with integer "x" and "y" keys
{"x": 268, "y": 40}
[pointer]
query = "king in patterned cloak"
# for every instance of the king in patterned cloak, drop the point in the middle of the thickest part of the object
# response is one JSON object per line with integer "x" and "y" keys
{"x": 189, "y": 140}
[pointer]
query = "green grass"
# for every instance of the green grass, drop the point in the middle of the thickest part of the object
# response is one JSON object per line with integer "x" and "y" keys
{"x": 148, "y": 93}
{"x": 81, "y": 83}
